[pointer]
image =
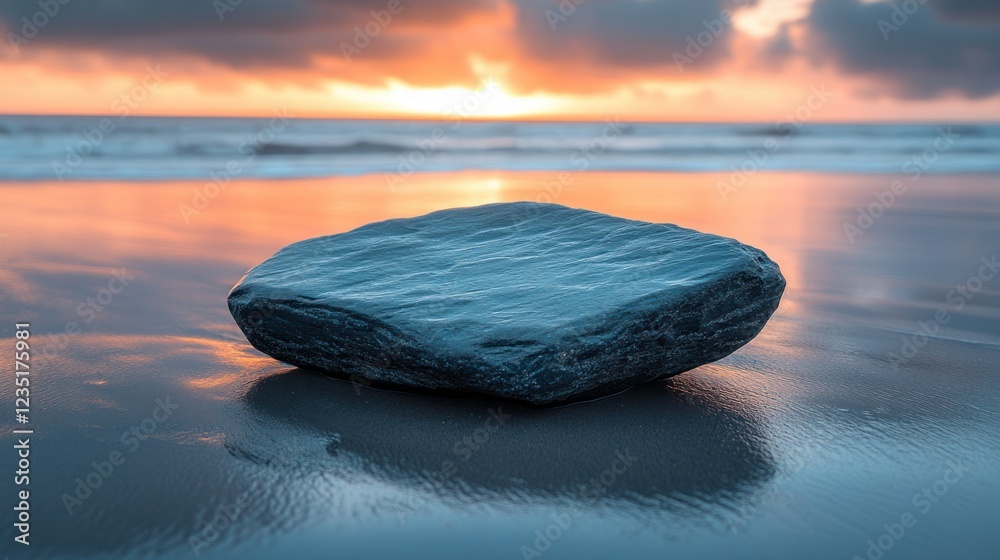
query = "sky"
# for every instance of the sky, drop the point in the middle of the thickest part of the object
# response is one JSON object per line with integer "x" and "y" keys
{"x": 657, "y": 60}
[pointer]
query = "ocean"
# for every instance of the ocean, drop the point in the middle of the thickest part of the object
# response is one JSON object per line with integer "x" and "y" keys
{"x": 147, "y": 148}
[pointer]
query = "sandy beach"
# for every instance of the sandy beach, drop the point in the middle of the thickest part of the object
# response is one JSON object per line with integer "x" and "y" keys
{"x": 868, "y": 401}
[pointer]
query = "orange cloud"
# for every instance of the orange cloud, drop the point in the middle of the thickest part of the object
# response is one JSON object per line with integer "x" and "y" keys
{"x": 647, "y": 60}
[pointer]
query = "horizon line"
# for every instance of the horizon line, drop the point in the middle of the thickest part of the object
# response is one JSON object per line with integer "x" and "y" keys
{"x": 541, "y": 120}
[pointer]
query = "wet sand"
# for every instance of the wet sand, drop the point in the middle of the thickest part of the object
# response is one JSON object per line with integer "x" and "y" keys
{"x": 803, "y": 444}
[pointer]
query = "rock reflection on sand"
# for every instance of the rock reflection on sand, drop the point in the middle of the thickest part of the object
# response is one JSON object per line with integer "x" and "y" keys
{"x": 670, "y": 447}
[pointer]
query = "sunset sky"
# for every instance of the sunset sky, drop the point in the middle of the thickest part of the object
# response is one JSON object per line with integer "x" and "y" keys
{"x": 683, "y": 60}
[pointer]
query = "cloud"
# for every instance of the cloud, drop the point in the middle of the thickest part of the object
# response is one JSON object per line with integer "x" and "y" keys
{"x": 916, "y": 50}
{"x": 967, "y": 10}
{"x": 625, "y": 33}
{"x": 565, "y": 46}
{"x": 252, "y": 33}
{"x": 428, "y": 43}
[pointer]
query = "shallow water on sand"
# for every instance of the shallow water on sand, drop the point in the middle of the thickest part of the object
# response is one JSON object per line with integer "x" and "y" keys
{"x": 816, "y": 438}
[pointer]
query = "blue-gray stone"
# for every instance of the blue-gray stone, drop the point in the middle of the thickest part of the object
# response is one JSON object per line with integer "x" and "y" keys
{"x": 534, "y": 302}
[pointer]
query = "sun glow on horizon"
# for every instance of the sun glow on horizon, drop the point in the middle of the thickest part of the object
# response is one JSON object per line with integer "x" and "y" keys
{"x": 489, "y": 100}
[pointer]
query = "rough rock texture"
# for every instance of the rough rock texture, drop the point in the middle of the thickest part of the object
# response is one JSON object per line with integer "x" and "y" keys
{"x": 534, "y": 302}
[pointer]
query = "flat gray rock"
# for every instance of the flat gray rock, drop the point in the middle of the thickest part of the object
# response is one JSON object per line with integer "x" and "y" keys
{"x": 534, "y": 302}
